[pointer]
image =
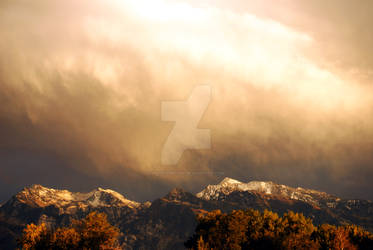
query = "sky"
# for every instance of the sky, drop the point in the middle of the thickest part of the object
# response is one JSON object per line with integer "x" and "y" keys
{"x": 82, "y": 82}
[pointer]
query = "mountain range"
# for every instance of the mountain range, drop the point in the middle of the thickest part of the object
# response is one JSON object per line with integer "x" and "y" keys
{"x": 167, "y": 222}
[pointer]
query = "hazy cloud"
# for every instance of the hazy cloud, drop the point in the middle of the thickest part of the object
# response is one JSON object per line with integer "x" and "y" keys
{"x": 81, "y": 85}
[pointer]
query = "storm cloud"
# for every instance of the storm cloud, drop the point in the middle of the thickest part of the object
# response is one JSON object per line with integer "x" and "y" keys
{"x": 81, "y": 86}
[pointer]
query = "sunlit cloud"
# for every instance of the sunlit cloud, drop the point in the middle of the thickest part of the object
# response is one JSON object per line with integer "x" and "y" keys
{"x": 89, "y": 77}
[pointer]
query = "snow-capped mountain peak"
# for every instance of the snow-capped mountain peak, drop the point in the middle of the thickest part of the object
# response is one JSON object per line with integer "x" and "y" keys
{"x": 229, "y": 181}
{"x": 229, "y": 185}
{"x": 41, "y": 196}
{"x": 109, "y": 197}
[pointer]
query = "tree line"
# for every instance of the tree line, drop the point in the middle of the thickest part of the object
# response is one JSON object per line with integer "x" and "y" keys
{"x": 252, "y": 229}
{"x": 249, "y": 229}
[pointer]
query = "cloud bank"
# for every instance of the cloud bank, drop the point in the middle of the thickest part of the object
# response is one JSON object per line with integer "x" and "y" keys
{"x": 81, "y": 84}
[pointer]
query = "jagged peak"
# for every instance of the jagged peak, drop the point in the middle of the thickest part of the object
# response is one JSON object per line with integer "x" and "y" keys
{"x": 228, "y": 180}
{"x": 229, "y": 185}
{"x": 41, "y": 190}
{"x": 116, "y": 195}
{"x": 36, "y": 186}
{"x": 39, "y": 195}
{"x": 178, "y": 194}
{"x": 109, "y": 191}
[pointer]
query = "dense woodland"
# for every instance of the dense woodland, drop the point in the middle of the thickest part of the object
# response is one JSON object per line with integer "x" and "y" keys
{"x": 252, "y": 229}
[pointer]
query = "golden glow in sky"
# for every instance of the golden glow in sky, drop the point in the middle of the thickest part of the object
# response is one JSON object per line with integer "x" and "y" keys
{"x": 290, "y": 85}
{"x": 257, "y": 51}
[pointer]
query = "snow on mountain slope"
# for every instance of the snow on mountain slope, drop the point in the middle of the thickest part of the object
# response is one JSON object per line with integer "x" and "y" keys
{"x": 40, "y": 196}
{"x": 228, "y": 185}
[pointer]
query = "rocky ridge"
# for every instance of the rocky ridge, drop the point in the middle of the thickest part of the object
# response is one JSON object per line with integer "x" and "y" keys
{"x": 167, "y": 222}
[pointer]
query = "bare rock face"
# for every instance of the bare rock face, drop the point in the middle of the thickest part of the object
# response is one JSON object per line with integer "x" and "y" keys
{"x": 167, "y": 222}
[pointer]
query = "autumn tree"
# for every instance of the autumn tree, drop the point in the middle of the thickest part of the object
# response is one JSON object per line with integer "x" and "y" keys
{"x": 252, "y": 229}
{"x": 360, "y": 237}
{"x": 36, "y": 237}
{"x": 66, "y": 238}
{"x": 332, "y": 237}
{"x": 95, "y": 231}
{"x": 297, "y": 231}
{"x": 92, "y": 232}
